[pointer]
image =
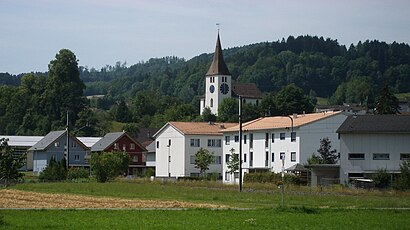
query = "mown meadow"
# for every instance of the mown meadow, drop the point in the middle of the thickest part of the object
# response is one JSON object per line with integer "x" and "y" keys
{"x": 257, "y": 206}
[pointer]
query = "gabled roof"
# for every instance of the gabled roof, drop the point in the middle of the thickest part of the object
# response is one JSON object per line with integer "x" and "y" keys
{"x": 376, "y": 124}
{"x": 109, "y": 139}
{"x": 281, "y": 122}
{"x": 197, "y": 128}
{"x": 50, "y": 138}
{"x": 218, "y": 66}
{"x": 47, "y": 140}
{"x": 246, "y": 90}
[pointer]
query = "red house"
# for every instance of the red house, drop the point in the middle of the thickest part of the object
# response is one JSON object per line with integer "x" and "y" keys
{"x": 121, "y": 141}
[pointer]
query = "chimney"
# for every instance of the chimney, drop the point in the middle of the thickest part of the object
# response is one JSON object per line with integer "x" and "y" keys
{"x": 295, "y": 115}
{"x": 222, "y": 126}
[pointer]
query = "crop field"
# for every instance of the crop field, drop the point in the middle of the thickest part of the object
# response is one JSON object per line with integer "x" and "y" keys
{"x": 198, "y": 205}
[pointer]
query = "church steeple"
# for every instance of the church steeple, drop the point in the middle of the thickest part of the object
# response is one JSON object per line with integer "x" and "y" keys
{"x": 218, "y": 66}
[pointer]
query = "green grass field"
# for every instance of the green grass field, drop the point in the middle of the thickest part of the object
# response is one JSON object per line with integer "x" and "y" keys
{"x": 299, "y": 218}
{"x": 305, "y": 207}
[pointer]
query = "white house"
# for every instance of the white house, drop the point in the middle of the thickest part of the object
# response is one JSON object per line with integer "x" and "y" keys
{"x": 267, "y": 140}
{"x": 177, "y": 142}
{"x": 218, "y": 85}
{"x": 372, "y": 142}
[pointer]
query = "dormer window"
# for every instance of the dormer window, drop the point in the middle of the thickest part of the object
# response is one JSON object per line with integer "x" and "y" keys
{"x": 116, "y": 146}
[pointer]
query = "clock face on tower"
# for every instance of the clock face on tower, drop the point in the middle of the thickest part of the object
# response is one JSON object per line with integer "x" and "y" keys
{"x": 212, "y": 88}
{"x": 224, "y": 88}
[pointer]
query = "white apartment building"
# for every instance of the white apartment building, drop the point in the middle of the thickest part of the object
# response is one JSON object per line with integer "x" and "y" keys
{"x": 267, "y": 140}
{"x": 372, "y": 142}
{"x": 176, "y": 144}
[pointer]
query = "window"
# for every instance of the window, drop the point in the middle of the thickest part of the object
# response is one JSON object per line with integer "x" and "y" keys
{"x": 214, "y": 143}
{"x": 404, "y": 156}
{"x": 77, "y": 157}
{"x": 217, "y": 160}
{"x": 257, "y": 102}
{"x": 116, "y": 146}
{"x": 169, "y": 142}
{"x": 381, "y": 156}
{"x": 293, "y": 136}
{"x": 236, "y": 175}
{"x": 251, "y": 140}
{"x": 56, "y": 144}
{"x": 244, "y": 157}
{"x": 282, "y": 136}
{"x": 244, "y": 139}
{"x": 212, "y": 79}
{"x": 266, "y": 140}
{"x": 169, "y": 158}
{"x": 273, "y": 137}
{"x": 250, "y": 159}
{"x": 227, "y": 156}
{"x": 227, "y": 176}
{"x": 266, "y": 158}
{"x": 195, "y": 142}
{"x": 135, "y": 158}
{"x": 282, "y": 155}
{"x": 132, "y": 146}
{"x": 236, "y": 138}
{"x": 227, "y": 140}
{"x": 293, "y": 156}
{"x": 356, "y": 156}
{"x": 273, "y": 157}
{"x": 124, "y": 147}
{"x": 157, "y": 144}
{"x": 244, "y": 101}
{"x": 73, "y": 144}
{"x": 211, "y": 103}
{"x": 192, "y": 159}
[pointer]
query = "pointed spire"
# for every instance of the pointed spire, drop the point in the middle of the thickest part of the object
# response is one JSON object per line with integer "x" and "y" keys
{"x": 218, "y": 66}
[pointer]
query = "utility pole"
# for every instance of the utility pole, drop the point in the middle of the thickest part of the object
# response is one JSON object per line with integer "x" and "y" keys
{"x": 68, "y": 144}
{"x": 240, "y": 144}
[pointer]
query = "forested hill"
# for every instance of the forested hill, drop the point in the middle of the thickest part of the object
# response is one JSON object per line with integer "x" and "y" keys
{"x": 317, "y": 65}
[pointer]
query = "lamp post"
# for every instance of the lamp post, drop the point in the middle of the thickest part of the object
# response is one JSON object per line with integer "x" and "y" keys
{"x": 169, "y": 161}
{"x": 240, "y": 145}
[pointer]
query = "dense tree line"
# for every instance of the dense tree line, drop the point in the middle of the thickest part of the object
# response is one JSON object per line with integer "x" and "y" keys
{"x": 291, "y": 73}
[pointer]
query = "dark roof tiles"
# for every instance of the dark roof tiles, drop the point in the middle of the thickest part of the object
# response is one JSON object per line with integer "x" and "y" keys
{"x": 218, "y": 66}
{"x": 376, "y": 124}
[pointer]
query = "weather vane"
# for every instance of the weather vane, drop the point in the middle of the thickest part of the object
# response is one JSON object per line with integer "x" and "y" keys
{"x": 217, "y": 25}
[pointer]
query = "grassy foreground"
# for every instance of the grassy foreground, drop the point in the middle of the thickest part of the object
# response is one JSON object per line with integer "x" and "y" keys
{"x": 305, "y": 208}
{"x": 216, "y": 193}
{"x": 295, "y": 218}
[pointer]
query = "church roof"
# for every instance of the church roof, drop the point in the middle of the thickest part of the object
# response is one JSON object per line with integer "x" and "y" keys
{"x": 246, "y": 90}
{"x": 218, "y": 66}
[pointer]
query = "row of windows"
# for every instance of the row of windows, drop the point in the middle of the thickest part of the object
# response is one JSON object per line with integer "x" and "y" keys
{"x": 124, "y": 146}
{"x": 282, "y": 136}
{"x": 217, "y": 160}
{"x": 212, "y": 79}
{"x": 377, "y": 156}
{"x": 73, "y": 144}
{"x": 281, "y": 156}
{"x": 211, "y": 142}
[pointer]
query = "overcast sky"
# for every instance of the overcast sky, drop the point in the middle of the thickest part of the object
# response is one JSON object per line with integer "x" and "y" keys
{"x": 102, "y": 32}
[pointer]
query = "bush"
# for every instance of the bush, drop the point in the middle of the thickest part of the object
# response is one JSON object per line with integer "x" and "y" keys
{"x": 106, "y": 166}
{"x": 55, "y": 171}
{"x": 77, "y": 173}
{"x": 381, "y": 179}
{"x": 150, "y": 172}
{"x": 268, "y": 177}
{"x": 403, "y": 181}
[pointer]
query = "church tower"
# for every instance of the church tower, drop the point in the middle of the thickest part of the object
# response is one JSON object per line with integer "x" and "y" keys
{"x": 218, "y": 85}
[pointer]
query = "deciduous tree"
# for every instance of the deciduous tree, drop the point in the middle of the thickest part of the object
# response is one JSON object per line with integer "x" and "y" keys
{"x": 203, "y": 158}
{"x": 9, "y": 163}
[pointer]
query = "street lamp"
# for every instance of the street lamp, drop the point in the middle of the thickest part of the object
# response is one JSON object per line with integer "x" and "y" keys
{"x": 169, "y": 160}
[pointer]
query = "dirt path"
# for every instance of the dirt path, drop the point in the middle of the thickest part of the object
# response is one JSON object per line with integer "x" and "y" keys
{"x": 10, "y": 198}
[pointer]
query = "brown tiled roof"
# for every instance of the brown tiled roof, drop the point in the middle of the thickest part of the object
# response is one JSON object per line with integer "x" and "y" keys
{"x": 201, "y": 128}
{"x": 218, "y": 66}
{"x": 280, "y": 122}
{"x": 376, "y": 124}
{"x": 246, "y": 90}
